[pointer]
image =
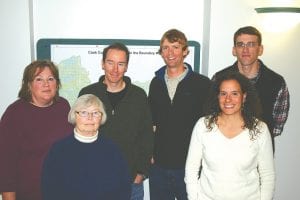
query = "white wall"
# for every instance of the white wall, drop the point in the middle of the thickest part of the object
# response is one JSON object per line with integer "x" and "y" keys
{"x": 135, "y": 19}
{"x": 116, "y": 19}
{"x": 14, "y": 48}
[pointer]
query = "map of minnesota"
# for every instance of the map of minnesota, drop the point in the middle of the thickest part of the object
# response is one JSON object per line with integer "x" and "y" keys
{"x": 73, "y": 77}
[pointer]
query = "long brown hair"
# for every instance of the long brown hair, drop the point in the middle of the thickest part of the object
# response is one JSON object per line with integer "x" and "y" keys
{"x": 251, "y": 111}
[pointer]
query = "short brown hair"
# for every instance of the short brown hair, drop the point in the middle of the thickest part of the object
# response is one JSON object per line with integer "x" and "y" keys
{"x": 174, "y": 35}
{"x": 249, "y": 30}
{"x": 30, "y": 73}
{"x": 117, "y": 46}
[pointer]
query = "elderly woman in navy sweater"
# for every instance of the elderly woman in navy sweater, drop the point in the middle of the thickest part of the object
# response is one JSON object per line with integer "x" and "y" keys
{"x": 86, "y": 165}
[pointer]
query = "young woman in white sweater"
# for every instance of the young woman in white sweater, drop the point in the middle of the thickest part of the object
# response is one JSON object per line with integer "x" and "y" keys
{"x": 230, "y": 155}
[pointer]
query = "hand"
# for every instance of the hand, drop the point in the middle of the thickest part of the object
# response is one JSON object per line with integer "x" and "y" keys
{"x": 154, "y": 128}
{"x": 152, "y": 161}
{"x": 8, "y": 196}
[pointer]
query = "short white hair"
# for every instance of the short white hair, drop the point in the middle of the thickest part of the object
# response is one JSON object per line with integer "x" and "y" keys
{"x": 86, "y": 101}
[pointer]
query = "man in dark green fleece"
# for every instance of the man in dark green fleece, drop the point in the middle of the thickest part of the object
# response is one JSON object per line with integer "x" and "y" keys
{"x": 129, "y": 122}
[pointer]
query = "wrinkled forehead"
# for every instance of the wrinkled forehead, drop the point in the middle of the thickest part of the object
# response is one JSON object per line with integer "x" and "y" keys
{"x": 87, "y": 106}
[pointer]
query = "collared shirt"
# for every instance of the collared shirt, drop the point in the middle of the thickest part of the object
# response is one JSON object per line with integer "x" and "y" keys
{"x": 280, "y": 108}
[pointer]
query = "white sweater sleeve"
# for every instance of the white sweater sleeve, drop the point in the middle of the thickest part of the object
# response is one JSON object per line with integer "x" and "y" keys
{"x": 193, "y": 162}
{"x": 266, "y": 168}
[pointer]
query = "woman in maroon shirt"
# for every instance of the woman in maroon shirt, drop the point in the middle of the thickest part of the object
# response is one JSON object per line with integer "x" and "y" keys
{"x": 28, "y": 128}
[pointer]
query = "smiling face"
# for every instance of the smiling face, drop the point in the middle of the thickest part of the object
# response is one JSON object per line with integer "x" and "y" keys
{"x": 248, "y": 53}
{"x": 231, "y": 97}
{"x": 87, "y": 121}
{"x": 43, "y": 88}
{"x": 173, "y": 53}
